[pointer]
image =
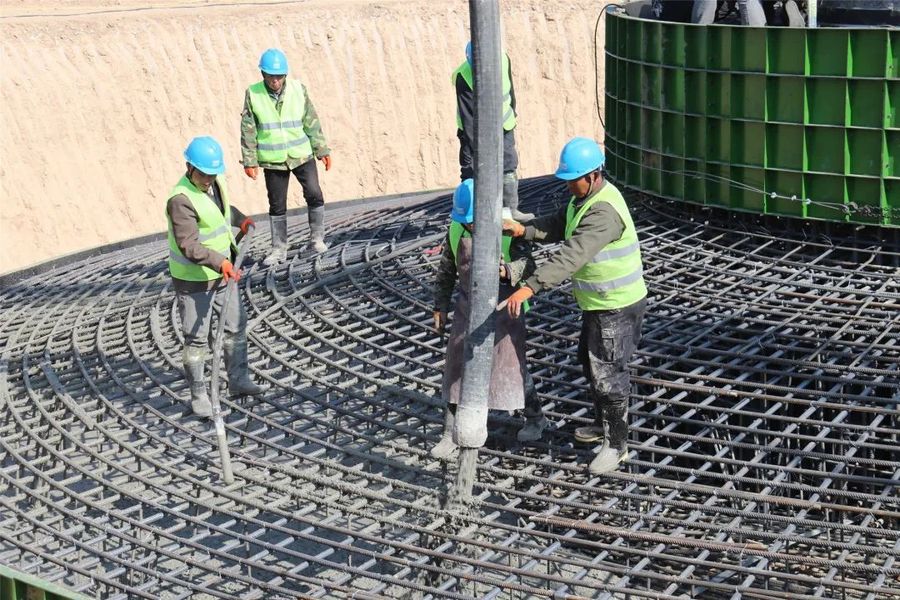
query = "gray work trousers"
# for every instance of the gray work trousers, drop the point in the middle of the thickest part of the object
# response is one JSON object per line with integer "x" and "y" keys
{"x": 608, "y": 339}
{"x": 196, "y": 315}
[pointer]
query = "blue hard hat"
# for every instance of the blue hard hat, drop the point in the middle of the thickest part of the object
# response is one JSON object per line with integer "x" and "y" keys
{"x": 579, "y": 157}
{"x": 273, "y": 62}
{"x": 205, "y": 154}
{"x": 464, "y": 202}
{"x": 469, "y": 53}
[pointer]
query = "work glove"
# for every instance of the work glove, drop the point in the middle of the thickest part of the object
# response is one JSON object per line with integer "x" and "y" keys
{"x": 228, "y": 271}
{"x": 517, "y": 299}
{"x": 326, "y": 160}
{"x": 251, "y": 172}
{"x": 440, "y": 321}
{"x": 513, "y": 228}
{"x": 246, "y": 224}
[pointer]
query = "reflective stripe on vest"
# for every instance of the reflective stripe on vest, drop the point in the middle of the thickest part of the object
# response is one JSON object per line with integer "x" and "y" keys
{"x": 509, "y": 115}
{"x": 614, "y": 277}
{"x": 457, "y": 232}
{"x": 213, "y": 226}
{"x": 280, "y": 136}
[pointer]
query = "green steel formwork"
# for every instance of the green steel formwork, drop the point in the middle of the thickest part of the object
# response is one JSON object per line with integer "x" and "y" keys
{"x": 15, "y": 585}
{"x": 796, "y": 122}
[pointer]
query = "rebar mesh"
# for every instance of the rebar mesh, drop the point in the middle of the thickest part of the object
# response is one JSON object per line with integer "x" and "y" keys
{"x": 763, "y": 453}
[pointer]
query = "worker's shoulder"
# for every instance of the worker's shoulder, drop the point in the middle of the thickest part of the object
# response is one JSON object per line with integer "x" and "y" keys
{"x": 178, "y": 201}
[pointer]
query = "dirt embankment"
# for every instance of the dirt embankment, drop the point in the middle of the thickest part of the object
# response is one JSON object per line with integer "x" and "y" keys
{"x": 99, "y": 98}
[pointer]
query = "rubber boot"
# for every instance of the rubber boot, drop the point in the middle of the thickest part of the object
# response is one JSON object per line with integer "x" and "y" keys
{"x": 194, "y": 361}
{"x": 317, "y": 229}
{"x": 511, "y": 197}
{"x": 278, "y": 254}
{"x": 614, "y": 449}
{"x": 535, "y": 421}
{"x": 446, "y": 447}
{"x": 239, "y": 382}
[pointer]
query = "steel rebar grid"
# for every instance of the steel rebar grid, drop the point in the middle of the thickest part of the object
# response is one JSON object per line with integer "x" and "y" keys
{"x": 764, "y": 427}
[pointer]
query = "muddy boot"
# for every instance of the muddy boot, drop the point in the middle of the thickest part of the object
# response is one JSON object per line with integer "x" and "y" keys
{"x": 278, "y": 254}
{"x": 614, "y": 449}
{"x": 317, "y": 229}
{"x": 535, "y": 421}
{"x": 511, "y": 197}
{"x": 589, "y": 433}
{"x": 239, "y": 382}
{"x": 446, "y": 447}
{"x": 194, "y": 361}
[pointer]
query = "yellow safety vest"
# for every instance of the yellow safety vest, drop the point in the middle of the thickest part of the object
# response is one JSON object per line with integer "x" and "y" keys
{"x": 509, "y": 115}
{"x": 280, "y": 136}
{"x": 614, "y": 277}
{"x": 214, "y": 228}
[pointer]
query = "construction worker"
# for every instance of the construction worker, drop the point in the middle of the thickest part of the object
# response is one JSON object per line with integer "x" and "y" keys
{"x": 511, "y": 387}
{"x": 464, "y": 83}
{"x": 201, "y": 248}
{"x": 601, "y": 254}
{"x": 280, "y": 132}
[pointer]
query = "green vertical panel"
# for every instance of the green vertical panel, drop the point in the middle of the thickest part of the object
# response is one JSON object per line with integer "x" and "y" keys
{"x": 868, "y": 52}
{"x": 633, "y": 82}
{"x": 747, "y": 199}
{"x": 718, "y": 188}
{"x": 651, "y": 130}
{"x": 825, "y": 149}
{"x": 673, "y": 134}
{"x": 784, "y": 99}
{"x": 650, "y": 179}
{"x": 622, "y": 31}
{"x": 825, "y": 100}
{"x": 651, "y": 85}
{"x": 865, "y": 102}
{"x": 718, "y": 94}
{"x": 748, "y": 49}
{"x": 633, "y": 126}
{"x": 827, "y": 52}
{"x": 719, "y": 48}
{"x": 748, "y": 96}
{"x": 611, "y": 76}
{"x": 748, "y": 144}
{"x": 892, "y": 101}
{"x": 694, "y": 181}
{"x": 695, "y": 92}
{"x": 865, "y": 192}
{"x": 672, "y": 184}
{"x": 865, "y": 151}
{"x": 695, "y": 137}
{"x": 785, "y": 51}
{"x": 673, "y": 45}
{"x": 784, "y": 146}
{"x": 718, "y": 140}
{"x": 632, "y": 159}
{"x": 651, "y": 50}
{"x": 828, "y": 189}
{"x": 673, "y": 89}
{"x": 785, "y": 184}
{"x": 612, "y": 118}
{"x": 633, "y": 38}
{"x": 695, "y": 52}
{"x": 892, "y": 154}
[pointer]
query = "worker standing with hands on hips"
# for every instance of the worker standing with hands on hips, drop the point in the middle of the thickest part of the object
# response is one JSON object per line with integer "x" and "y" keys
{"x": 280, "y": 133}
{"x": 511, "y": 387}
{"x": 602, "y": 256}
{"x": 201, "y": 249}
{"x": 464, "y": 83}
